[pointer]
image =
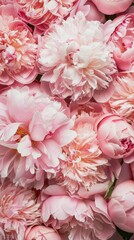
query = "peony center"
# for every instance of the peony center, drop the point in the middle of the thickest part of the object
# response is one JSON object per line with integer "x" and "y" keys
{"x": 22, "y": 132}
{"x": 127, "y": 144}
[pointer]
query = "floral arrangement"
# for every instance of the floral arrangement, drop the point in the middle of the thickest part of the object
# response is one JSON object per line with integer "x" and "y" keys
{"x": 66, "y": 120}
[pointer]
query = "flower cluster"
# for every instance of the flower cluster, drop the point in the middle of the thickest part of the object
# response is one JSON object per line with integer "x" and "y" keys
{"x": 66, "y": 120}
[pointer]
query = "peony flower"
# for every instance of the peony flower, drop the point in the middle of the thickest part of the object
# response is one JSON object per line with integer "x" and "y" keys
{"x": 18, "y": 209}
{"x": 89, "y": 10}
{"x": 122, "y": 100}
{"x": 33, "y": 131}
{"x": 85, "y": 170}
{"x": 18, "y": 48}
{"x": 121, "y": 206}
{"x": 115, "y": 136}
{"x": 60, "y": 213}
{"x": 119, "y": 32}
{"x": 80, "y": 62}
{"x": 99, "y": 228}
{"x": 41, "y": 233}
{"x": 112, "y": 7}
{"x": 42, "y": 13}
{"x": 81, "y": 219}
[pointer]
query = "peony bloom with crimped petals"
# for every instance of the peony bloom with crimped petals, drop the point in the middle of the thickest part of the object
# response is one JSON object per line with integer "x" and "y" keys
{"x": 33, "y": 130}
{"x": 121, "y": 206}
{"x": 122, "y": 100}
{"x": 41, "y": 233}
{"x": 119, "y": 33}
{"x": 85, "y": 170}
{"x": 89, "y": 9}
{"x": 74, "y": 59}
{"x": 18, "y": 209}
{"x": 17, "y": 48}
{"x": 42, "y": 13}
{"x": 79, "y": 219}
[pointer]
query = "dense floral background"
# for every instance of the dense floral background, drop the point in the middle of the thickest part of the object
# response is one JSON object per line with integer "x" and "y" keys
{"x": 66, "y": 120}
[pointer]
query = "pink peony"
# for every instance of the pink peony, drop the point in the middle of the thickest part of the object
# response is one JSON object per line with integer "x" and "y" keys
{"x": 80, "y": 62}
{"x": 18, "y": 48}
{"x": 85, "y": 170}
{"x": 121, "y": 206}
{"x": 115, "y": 136}
{"x": 112, "y": 7}
{"x": 87, "y": 220}
{"x": 41, "y": 233}
{"x": 119, "y": 33}
{"x": 33, "y": 131}
{"x": 42, "y": 13}
{"x": 89, "y": 10}
{"x": 60, "y": 213}
{"x": 122, "y": 100}
{"x": 18, "y": 209}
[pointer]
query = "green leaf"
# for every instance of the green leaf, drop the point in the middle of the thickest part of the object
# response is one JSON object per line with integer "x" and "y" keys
{"x": 125, "y": 235}
{"x": 110, "y": 189}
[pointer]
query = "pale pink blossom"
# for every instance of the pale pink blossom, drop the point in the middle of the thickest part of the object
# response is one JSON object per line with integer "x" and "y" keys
{"x": 85, "y": 170}
{"x": 42, "y": 13}
{"x": 122, "y": 100}
{"x": 18, "y": 48}
{"x": 116, "y": 137}
{"x": 112, "y": 7}
{"x": 119, "y": 33}
{"x": 33, "y": 130}
{"x": 89, "y": 9}
{"x": 81, "y": 219}
{"x": 41, "y": 233}
{"x": 121, "y": 206}
{"x": 18, "y": 209}
{"x": 75, "y": 60}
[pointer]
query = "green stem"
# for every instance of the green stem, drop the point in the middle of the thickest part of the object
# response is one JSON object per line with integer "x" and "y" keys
{"x": 127, "y": 238}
